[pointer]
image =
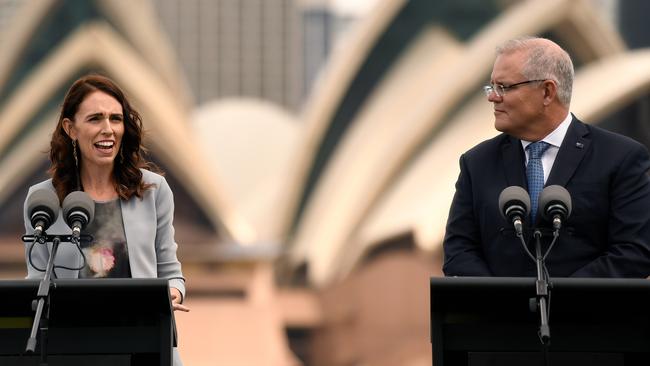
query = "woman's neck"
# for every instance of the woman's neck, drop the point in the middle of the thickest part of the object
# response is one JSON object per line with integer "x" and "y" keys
{"x": 98, "y": 184}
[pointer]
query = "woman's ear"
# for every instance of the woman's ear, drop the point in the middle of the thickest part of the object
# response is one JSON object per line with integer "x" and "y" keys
{"x": 68, "y": 128}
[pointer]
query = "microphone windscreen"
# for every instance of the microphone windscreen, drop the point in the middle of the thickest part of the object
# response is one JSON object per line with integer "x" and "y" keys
{"x": 554, "y": 194}
{"x": 514, "y": 195}
{"x": 78, "y": 201}
{"x": 43, "y": 200}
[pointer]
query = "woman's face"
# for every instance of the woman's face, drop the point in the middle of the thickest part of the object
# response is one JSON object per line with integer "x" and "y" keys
{"x": 98, "y": 127}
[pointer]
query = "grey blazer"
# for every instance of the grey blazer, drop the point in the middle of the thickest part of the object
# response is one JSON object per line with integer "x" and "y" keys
{"x": 148, "y": 225}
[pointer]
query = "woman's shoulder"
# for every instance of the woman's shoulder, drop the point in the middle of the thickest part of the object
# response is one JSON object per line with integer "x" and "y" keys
{"x": 46, "y": 184}
{"x": 150, "y": 177}
{"x": 159, "y": 188}
{"x": 158, "y": 183}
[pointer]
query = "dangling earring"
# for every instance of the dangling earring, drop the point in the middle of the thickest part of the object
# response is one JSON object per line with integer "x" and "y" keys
{"x": 76, "y": 163}
{"x": 122, "y": 155}
{"x": 74, "y": 153}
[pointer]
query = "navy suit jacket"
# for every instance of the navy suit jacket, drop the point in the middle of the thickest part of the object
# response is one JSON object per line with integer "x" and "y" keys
{"x": 607, "y": 234}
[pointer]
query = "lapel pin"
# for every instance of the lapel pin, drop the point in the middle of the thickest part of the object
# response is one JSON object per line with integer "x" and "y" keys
{"x": 580, "y": 145}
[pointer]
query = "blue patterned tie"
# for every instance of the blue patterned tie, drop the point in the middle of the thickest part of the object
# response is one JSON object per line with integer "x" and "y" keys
{"x": 535, "y": 173}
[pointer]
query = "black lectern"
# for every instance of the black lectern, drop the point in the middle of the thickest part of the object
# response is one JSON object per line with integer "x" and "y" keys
{"x": 489, "y": 321}
{"x": 91, "y": 322}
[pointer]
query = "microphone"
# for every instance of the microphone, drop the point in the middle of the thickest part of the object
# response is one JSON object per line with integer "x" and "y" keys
{"x": 78, "y": 211}
{"x": 555, "y": 205}
{"x": 514, "y": 205}
{"x": 43, "y": 210}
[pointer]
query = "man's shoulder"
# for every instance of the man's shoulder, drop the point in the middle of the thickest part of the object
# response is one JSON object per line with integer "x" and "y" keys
{"x": 603, "y": 133}
{"x": 611, "y": 139}
{"x": 490, "y": 145}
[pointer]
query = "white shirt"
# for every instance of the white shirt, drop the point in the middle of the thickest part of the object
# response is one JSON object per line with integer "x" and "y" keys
{"x": 554, "y": 139}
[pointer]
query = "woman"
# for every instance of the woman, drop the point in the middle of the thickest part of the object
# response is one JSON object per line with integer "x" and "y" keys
{"x": 97, "y": 148}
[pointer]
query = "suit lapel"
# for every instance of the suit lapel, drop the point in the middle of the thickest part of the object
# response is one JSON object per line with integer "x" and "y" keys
{"x": 572, "y": 151}
{"x": 512, "y": 156}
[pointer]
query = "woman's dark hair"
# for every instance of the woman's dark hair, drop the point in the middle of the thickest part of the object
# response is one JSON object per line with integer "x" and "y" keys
{"x": 126, "y": 170}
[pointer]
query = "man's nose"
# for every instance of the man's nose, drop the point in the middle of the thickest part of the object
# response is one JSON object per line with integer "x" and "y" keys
{"x": 493, "y": 96}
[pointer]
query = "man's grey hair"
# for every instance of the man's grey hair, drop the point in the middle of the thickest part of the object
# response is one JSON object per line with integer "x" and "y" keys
{"x": 546, "y": 60}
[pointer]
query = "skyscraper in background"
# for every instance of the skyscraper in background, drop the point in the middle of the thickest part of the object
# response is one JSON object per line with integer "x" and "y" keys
{"x": 7, "y": 10}
{"x": 322, "y": 26}
{"x": 244, "y": 48}
{"x": 267, "y": 49}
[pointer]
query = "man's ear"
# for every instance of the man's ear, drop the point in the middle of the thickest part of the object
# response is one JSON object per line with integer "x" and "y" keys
{"x": 68, "y": 128}
{"x": 550, "y": 91}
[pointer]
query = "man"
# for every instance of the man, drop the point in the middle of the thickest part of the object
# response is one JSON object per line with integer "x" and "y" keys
{"x": 608, "y": 232}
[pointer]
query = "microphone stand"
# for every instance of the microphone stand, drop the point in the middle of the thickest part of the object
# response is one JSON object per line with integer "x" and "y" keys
{"x": 542, "y": 290}
{"x": 42, "y": 295}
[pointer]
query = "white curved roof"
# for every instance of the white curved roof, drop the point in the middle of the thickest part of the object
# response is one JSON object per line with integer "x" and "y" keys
{"x": 250, "y": 144}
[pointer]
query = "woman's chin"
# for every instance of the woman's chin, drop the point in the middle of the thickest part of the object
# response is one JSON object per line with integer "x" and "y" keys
{"x": 102, "y": 162}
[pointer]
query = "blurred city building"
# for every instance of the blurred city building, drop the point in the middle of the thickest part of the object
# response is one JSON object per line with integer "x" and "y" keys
{"x": 312, "y": 146}
{"x": 246, "y": 48}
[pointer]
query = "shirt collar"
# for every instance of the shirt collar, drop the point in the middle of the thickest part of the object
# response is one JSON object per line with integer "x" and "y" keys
{"x": 556, "y": 136}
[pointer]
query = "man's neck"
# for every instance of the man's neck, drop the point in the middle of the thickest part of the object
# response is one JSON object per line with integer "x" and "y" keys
{"x": 550, "y": 121}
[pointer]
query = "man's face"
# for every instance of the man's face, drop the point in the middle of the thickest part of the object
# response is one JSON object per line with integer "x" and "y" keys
{"x": 521, "y": 108}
